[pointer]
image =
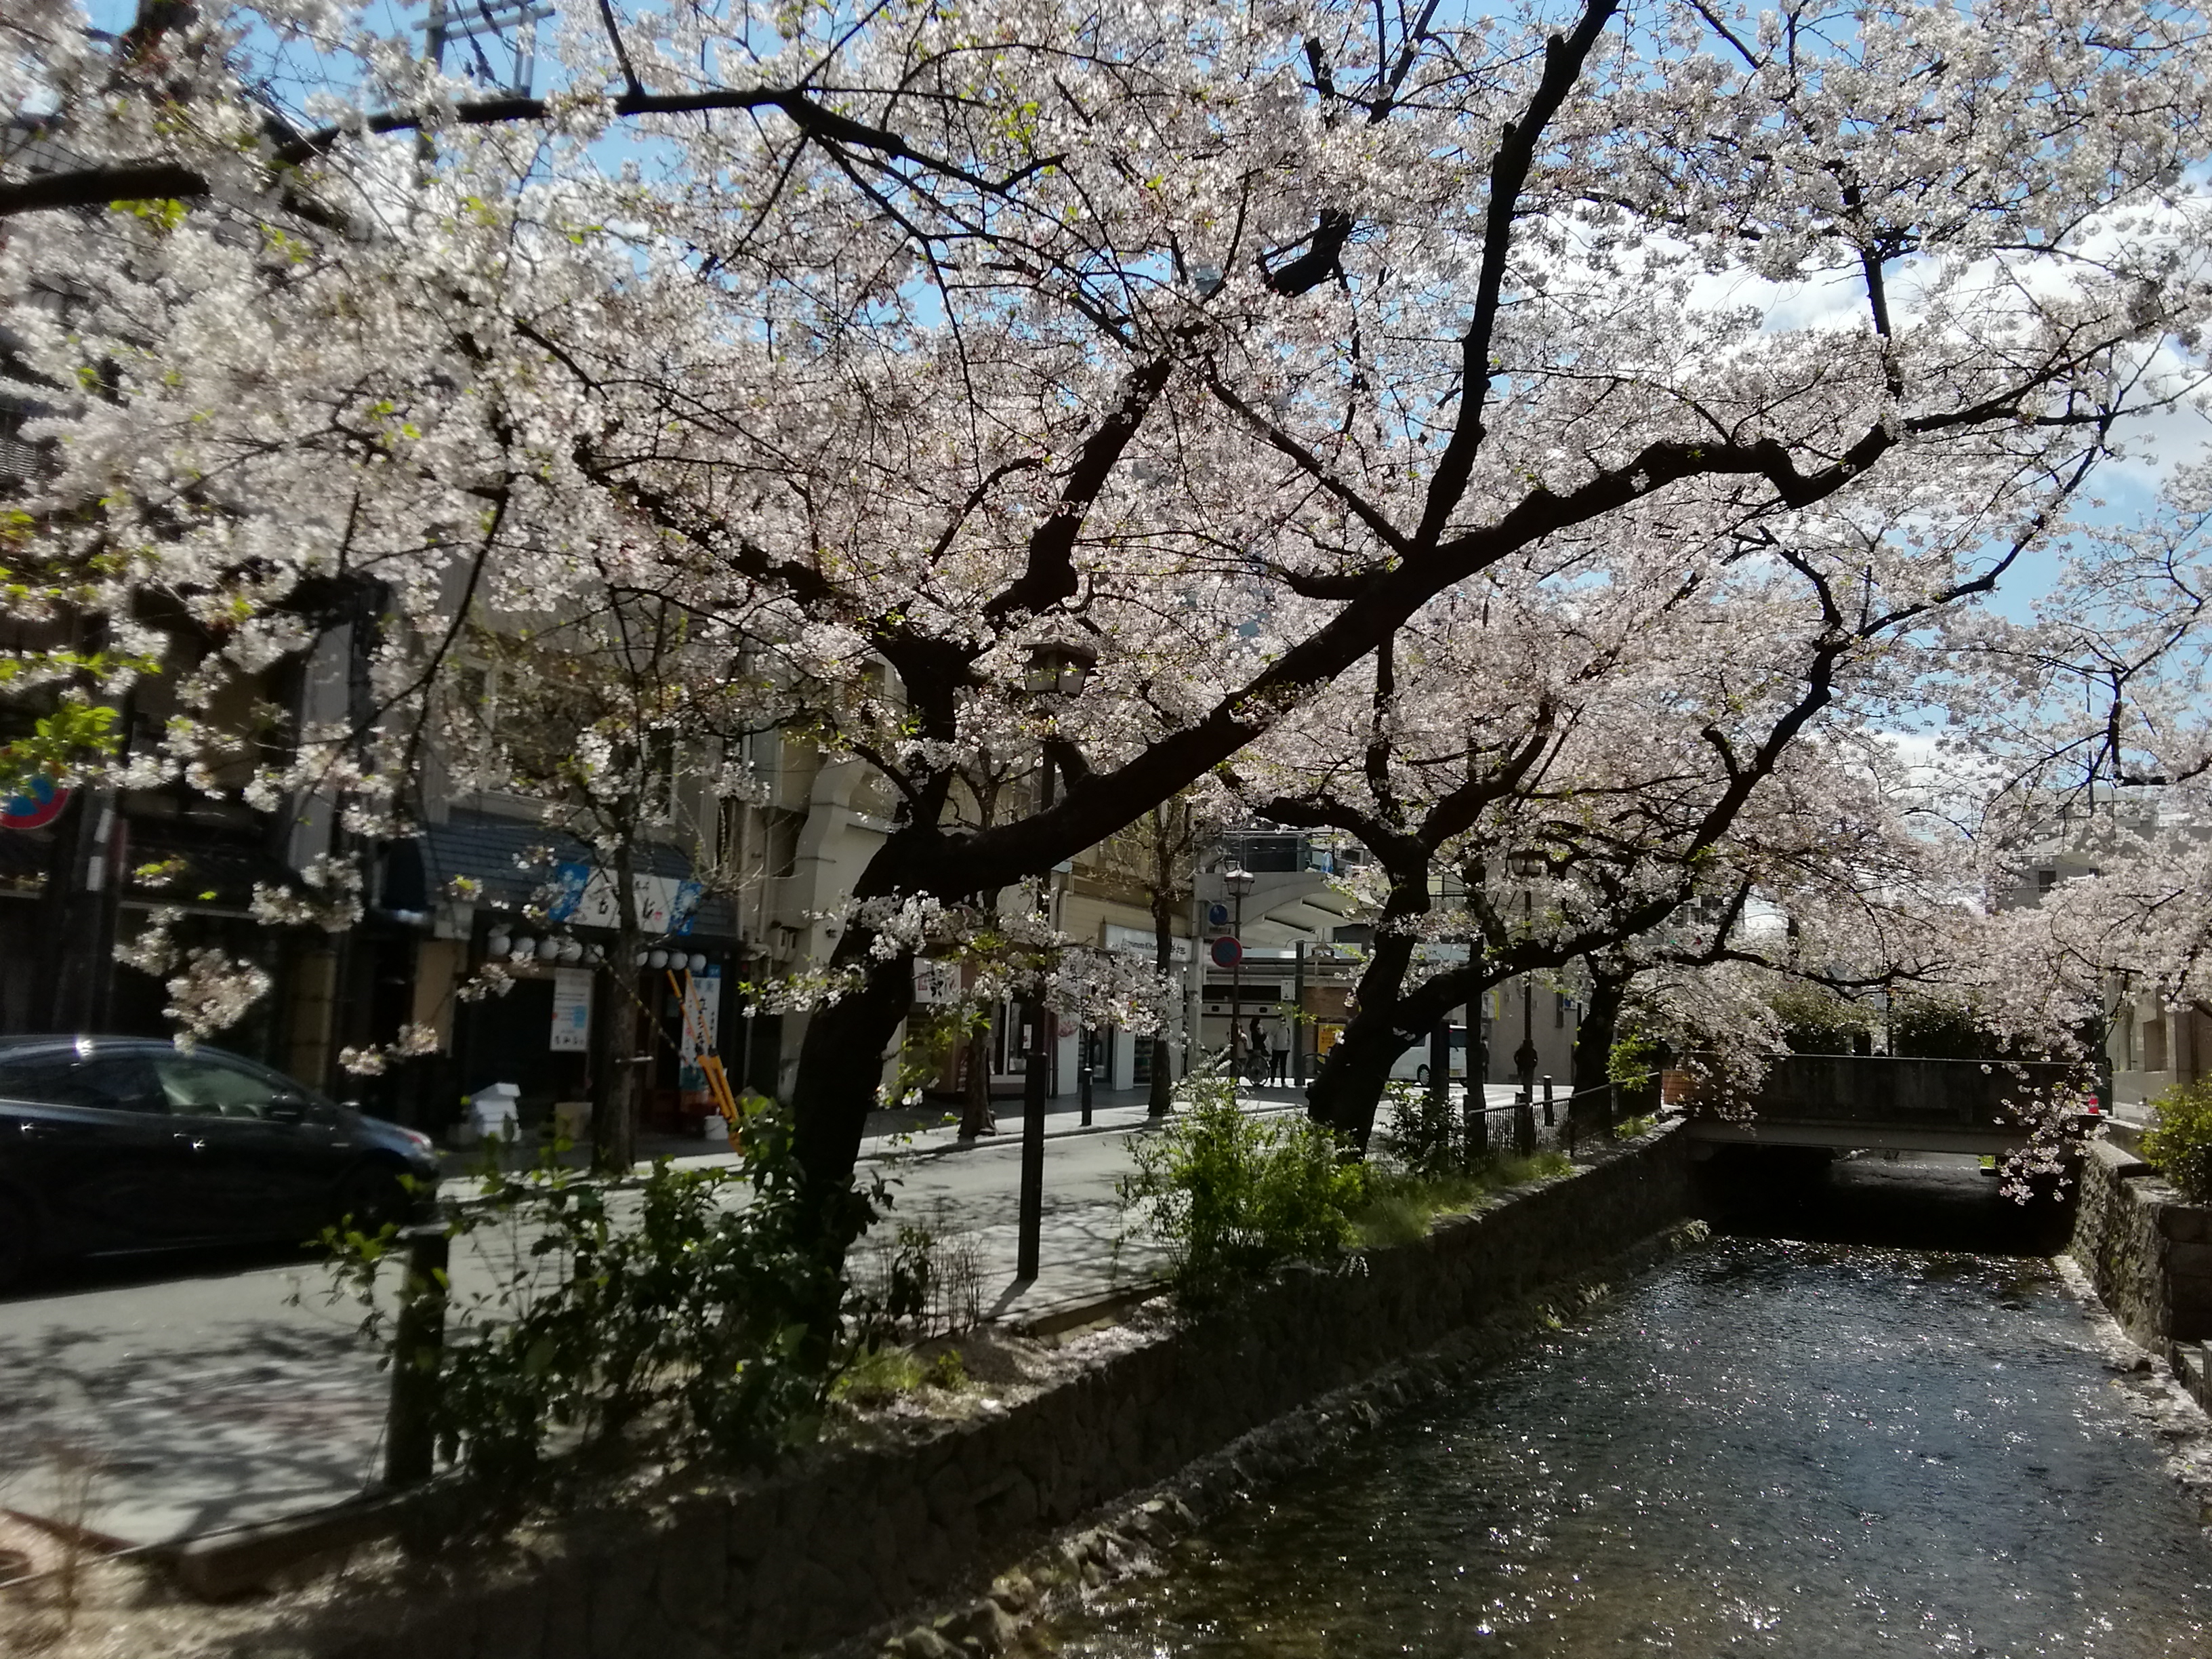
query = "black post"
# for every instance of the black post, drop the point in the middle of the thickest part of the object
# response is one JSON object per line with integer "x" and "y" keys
{"x": 418, "y": 1341}
{"x": 1298, "y": 1012}
{"x": 1083, "y": 1072}
{"x": 1236, "y": 993}
{"x": 1030, "y": 1224}
{"x": 1475, "y": 1112}
{"x": 1524, "y": 1063}
{"x": 1548, "y": 1119}
{"x": 1440, "y": 1104}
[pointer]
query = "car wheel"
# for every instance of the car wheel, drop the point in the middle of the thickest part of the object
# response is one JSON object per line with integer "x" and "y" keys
{"x": 1421, "y": 1075}
{"x": 19, "y": 1240}
{"x": 370, "y": 1195}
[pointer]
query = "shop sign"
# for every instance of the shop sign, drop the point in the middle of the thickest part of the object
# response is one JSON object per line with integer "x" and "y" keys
{"x": 1141, "y": 942}
{"x": 704, "y": 991}
{"x": 936, "y": 983}
{"x": 572, "y": 1011}
{"x": 585, "y": 899}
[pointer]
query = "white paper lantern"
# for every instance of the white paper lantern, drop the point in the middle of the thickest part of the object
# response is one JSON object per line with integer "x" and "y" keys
{"x": 525, "y": 949}
{"x": 698, "y": 962}
{"x": 572, "y": 950}
{"x": 498, "y": 945}
{"x": 659, "y": 958}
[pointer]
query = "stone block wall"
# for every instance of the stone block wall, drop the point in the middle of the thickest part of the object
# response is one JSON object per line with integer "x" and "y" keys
{"x": 2147, "y": 1250}
{"x": 842, "y": 1541}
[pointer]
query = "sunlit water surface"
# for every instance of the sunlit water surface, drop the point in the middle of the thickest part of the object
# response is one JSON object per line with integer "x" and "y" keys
{"x": 1764, "y": 1447}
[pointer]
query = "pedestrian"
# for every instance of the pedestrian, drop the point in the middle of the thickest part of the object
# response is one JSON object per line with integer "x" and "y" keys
{"x": 1258, "y": 1061}
{"x": 1278, "y": 1073}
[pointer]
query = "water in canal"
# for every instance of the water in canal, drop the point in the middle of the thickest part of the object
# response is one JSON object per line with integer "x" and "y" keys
{"x": 1763, "y": 1446}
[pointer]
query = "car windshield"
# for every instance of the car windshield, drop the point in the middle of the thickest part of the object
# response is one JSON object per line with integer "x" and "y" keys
{"x": 200, "y": 1085}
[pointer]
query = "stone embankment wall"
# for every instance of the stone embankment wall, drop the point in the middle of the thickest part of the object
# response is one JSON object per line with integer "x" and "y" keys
{"x": 844, "y": 1542}
{"x": 2147, "y": 1250}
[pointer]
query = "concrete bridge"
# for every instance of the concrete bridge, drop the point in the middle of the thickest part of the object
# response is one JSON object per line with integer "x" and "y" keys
{"x": 1878, "y": 1102}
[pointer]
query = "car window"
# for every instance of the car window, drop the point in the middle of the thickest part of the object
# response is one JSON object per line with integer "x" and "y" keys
{"x": 114, "y": 1082}
{"x": 200, "y": 1085}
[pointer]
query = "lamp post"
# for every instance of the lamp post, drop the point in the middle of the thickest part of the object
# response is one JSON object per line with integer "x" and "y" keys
{"x": 1053, "y": 670}
{"x": 1238, "y": 880}
{"x": 1526, "y": 866}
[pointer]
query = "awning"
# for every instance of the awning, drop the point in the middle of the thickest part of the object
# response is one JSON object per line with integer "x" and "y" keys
{"x": 502, "y": 856}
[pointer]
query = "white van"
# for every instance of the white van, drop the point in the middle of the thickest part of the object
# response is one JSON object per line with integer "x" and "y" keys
{"x": 1412, "y": 1065}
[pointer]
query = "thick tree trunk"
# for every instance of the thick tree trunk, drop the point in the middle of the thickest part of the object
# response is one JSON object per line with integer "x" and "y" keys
{"x": 1163, "y": 1084}
{"x": 1590, "y": 1111}
{"x": 840, "y": 1067}
{"x": 614, "y": 1033}
{"x": 1348, "y": 1085}
{"x": 976, "y": 1117}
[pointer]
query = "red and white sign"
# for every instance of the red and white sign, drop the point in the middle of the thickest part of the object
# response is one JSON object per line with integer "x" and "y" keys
{"x": 38, "y": 807}
{"x": 1226, "y": 952}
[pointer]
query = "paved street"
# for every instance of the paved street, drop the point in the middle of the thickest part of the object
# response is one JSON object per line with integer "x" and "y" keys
{"x": 210, "y": 1391}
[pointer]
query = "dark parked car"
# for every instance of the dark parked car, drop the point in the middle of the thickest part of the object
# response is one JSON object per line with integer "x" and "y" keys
{"x": 120, "y": 1144}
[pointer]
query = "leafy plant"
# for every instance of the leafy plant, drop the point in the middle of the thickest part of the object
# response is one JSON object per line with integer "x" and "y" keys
{"x": 681, "y": 1307}
{"x": 926, "y": 1282}
{"x": 1633, "y": 1059}
{"x": 1232, "y": 1195}
{"x": 1417, "y": 1132}
{"x": 2181, "y": 1144}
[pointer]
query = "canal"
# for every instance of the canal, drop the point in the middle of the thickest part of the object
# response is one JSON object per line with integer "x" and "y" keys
{"x": 1827, "y": 1448}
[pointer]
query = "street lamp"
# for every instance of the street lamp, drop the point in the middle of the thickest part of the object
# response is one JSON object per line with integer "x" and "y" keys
{"x": 1527, "y": 865}
{"x": 1055, "y": 669}
{"x": 1238, "y": 880}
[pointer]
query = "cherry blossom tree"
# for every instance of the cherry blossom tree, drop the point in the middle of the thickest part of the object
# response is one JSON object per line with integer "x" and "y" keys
{"x": 1223, "y": 342}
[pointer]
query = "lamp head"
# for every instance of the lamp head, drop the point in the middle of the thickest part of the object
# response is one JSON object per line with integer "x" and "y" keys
{"x": 1059, "y": 666}
{"x": 1527, "y": 863}
{"x": 1238, "y": 879}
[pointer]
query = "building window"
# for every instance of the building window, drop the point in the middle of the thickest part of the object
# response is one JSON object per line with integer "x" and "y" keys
{"x": 2154, "y": 1044}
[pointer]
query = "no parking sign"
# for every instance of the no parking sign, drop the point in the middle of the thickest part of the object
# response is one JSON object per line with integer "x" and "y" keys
{"x": 40, "y": 803}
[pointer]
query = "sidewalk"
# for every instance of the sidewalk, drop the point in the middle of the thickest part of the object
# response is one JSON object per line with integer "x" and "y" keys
{"x": 206, "y": 1398}
{"x": 904, "y": 1132}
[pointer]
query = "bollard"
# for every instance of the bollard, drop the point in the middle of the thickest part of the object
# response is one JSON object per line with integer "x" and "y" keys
{"x": 1549, "y": 1121}
{"x": 418, "y": 1341}
{"x": 1524, "y": 1125}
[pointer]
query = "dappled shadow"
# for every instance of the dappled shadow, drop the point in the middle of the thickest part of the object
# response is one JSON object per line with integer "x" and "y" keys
{"x": 260, "y": 1417}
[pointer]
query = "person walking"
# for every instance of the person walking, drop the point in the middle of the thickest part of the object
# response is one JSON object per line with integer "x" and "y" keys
{"x": 1257, "y": 1068}
{"x": 1278, "y": 1071}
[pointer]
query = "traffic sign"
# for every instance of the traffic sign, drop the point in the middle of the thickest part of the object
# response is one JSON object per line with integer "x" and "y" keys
{"x": 39, "y": 806}
{"x": 1217, "y": 915}
{"x": 1225, "y": 951}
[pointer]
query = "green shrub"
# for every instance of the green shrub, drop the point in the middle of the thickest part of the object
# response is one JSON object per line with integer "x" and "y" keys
{"x": 686, "y": 1307}
{"x": 879, "y": 1375}
{"x": 1417, "y": 1132}
{"x": 1817, "y": 1021}
{"x": 1231, "y": 1195}
{"x": 2181, "y": 1145}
